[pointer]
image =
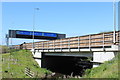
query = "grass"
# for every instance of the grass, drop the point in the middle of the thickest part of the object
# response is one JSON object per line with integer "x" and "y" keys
{"x": 14, "y": 64}
{"x": 107, "y": 70}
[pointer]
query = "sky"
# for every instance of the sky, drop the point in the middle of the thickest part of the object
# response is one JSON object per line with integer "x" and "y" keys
{"x": 70, "y": 18}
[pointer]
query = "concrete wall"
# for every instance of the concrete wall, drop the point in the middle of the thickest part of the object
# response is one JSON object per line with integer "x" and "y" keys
{"x": 39, "y": 62}
{"x": 38, "y": 57}
{"x": 101, "y": 57}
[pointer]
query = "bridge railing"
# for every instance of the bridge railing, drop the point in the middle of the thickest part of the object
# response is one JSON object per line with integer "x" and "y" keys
{"x": 87, "y": 41}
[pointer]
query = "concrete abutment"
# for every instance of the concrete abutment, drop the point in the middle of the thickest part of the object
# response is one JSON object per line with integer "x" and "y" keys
{"x": 101, "y": 57}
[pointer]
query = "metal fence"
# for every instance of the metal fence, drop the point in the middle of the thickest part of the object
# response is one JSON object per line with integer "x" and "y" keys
{"x": 88, "y": 41}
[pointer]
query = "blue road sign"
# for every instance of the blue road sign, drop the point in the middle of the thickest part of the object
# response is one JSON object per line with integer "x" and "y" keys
{"x": 36, "y": 33}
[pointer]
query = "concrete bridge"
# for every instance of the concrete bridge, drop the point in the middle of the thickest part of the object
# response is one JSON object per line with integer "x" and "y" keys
{"x": 98, "y": 47}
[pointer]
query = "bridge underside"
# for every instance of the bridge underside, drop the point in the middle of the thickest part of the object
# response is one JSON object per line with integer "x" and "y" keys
{"x": 65, "y": 64}
{"x": 68, "y": 62}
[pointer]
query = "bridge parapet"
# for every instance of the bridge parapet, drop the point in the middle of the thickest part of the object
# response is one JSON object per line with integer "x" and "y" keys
{"x": 88, "y": 42}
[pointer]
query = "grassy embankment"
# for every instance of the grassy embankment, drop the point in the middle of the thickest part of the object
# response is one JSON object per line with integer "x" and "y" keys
{"x": 107, "y": 70}
{"x": 14, "y": 64}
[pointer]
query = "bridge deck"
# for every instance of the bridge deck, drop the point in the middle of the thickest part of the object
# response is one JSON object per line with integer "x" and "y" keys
{"x": 101, "y": 40}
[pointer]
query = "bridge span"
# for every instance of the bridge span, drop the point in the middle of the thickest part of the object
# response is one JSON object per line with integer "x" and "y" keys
{"x": 96, "y": 47}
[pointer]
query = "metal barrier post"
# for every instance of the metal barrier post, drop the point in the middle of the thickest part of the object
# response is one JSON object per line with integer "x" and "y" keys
{"x": 69, "y": 44}
{"x": 43, "y": 46}
{"x": 47, "y": 45}
{"x": 54, "y": 45}
{"x": 61, "y": 44}
{"x": 78, "y": 43}
{"x": 90, "y": 42}
{"x": 103, "y": 41}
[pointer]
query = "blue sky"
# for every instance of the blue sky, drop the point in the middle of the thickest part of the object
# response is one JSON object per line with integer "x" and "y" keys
{"x": 70, "y": 18}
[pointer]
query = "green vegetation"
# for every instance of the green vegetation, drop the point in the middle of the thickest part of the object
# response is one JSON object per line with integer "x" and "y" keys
{"x": 14, "y": 64}
{"x": 107, "y": 70}
{"x": 4, "y": 49}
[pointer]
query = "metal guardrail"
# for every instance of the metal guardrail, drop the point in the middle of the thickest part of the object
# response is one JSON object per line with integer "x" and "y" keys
{"x": 88, "y": 41}
{"x": 28, "y": 72}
